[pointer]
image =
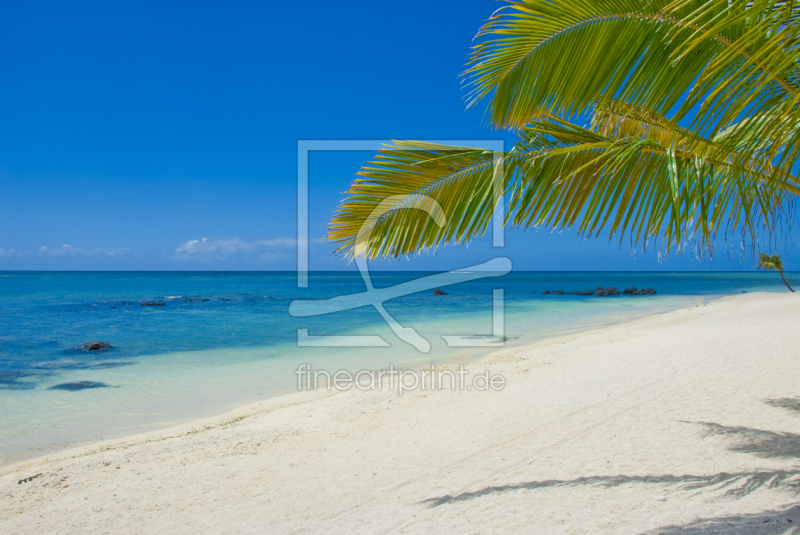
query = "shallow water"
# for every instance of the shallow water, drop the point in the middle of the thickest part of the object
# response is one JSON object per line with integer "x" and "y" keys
{"x": 222, "y": 340}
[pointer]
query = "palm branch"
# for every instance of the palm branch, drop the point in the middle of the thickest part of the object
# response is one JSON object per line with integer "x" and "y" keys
{"x": 693, "y": 127}
{"x": 705, "y": 62}
{"x": 557, "y": 175}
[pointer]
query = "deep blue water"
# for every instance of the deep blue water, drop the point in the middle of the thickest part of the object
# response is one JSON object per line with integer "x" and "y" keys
{"x": 203, "y": 349}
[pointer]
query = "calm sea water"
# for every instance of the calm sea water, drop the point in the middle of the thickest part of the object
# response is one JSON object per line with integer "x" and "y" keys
{"x": 222, "y": 340}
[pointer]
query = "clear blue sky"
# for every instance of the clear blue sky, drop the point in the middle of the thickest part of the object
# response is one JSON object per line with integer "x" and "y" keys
{"x": 133, "y": 130}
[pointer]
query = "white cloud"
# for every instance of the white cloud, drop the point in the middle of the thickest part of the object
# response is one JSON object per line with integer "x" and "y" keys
{"x": 68, "y": 250}
{"x": 220, "y": 249}
{"x": 9, "y": 253}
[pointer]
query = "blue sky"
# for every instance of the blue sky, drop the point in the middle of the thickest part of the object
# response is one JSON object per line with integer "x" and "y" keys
{"x": 132, "y": 131}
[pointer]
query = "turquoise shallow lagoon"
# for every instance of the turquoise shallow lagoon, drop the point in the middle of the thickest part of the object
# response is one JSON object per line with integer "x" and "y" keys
{"x": 223, "y": 340}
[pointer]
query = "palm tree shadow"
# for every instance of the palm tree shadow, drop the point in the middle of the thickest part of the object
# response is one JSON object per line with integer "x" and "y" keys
{"x": 783, "y": 522}
{"x": 757, "y": 441}
{"x": 749, "y": 440}
{"x": 792, "y": 404}
{"x": 738, "y": 484}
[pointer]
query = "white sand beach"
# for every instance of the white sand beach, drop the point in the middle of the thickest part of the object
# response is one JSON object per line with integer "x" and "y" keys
{"x": 688, "y": 422}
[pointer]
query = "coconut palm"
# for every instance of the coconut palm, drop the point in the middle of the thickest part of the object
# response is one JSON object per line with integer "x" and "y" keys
{"x": 772, "y": 263}
{"x": 666, "y": 121}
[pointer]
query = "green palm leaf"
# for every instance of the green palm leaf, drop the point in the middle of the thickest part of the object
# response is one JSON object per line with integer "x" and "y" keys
{"x": 694, "y": 127}
{"x": 459, "y": 179}
{"x": 710, "y": 63}
{"x": 558, "y": 175}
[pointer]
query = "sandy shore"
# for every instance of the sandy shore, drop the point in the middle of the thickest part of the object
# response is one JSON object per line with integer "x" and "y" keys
{"x": 688, "y": 422}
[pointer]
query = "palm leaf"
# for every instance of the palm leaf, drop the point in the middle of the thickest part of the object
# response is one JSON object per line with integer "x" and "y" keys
{"x": 694, "y": 110}
{"x": 459, "y": 179}
{"x": 557, "y": 175}
{"x": 709, "y": 63}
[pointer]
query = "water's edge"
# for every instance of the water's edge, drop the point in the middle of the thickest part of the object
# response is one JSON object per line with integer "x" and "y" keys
{"x": 473, "y": 357}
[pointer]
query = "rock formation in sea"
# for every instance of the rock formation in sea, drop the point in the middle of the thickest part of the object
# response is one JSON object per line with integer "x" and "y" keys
{"x": 94, "y": 346}
{"x": 604, "y": 292}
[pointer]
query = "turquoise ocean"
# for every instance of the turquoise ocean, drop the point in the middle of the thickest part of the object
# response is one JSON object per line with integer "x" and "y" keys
{"x": 222, "y": 340}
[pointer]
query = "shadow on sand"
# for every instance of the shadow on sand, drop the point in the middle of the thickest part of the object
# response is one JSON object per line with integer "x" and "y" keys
{"x": 792, "y": 404}
{"x": 758, "y": 442}
{"x": 738, "y": 484}
{"x": 783, "y": 522}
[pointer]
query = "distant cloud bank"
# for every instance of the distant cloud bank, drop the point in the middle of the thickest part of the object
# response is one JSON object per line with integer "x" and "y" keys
{"x": 68, "y": 250}
{"x": 260, "y": 253}
{"x": 9, "y": 253}
{"x": 221, "y": 249}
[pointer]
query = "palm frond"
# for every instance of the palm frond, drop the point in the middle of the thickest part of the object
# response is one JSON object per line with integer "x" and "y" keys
{"x": 733, "y": 147}
{"x": 558, "y": 175}
{"x": 695, "y": 128}
{"x": 712, "y": 63}
{"x": 459, "y": 179}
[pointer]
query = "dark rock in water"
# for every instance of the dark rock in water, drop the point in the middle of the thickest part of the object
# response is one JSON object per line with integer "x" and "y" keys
{"x": 644, "y": 291}
{"x": 437, "y": 291}
{"x": 629, "y": 291}
{"x": 557, "y": 292}
{"x": 94, "y": 346}
{"x": 605, "y": 292}
{"x": 194, "y": 300}
{"x": 585, "y": 292}
{"x": 152, "y": 304}
{"x": 82, "y": 385}
{"x": 546, "y": 292}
